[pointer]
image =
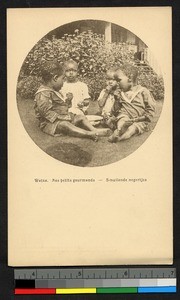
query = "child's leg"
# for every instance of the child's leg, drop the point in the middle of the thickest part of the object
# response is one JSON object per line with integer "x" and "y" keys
{"x": 122, "y": 126}
{"x": 111, "y": 123}
{"x": 70, "y": 129}
{"x": 81, "y": 120}
{"x": 132, "y": 130}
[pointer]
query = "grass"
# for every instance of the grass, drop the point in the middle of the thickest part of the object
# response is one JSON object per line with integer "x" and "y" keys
{"x": 77, "y": 151}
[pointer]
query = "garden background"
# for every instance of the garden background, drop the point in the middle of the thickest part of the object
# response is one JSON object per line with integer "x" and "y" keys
{"x": 94, "y": 55}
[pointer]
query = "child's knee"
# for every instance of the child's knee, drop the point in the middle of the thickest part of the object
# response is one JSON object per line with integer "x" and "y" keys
{"x": 120, "y": 123}
{"x": 62, "y": 126}
{"x": 132, "y": 130}
{"x": 127, "y": 135}
{"x": 79, "y": 118}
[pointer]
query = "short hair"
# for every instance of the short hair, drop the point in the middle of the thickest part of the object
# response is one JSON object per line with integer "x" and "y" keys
{"x": 129, "y": 70}
{"x": 49, "y": 69}
{"x": 70, "y": 61}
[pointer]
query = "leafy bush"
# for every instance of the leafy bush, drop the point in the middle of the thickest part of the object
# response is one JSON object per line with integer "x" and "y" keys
{"x": 153, "y": 82}
{"x": 93, "y": 55}
{"x": 27, "y": 86}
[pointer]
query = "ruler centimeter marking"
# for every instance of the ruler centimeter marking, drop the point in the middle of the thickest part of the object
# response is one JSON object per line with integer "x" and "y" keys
{"x": 95, "y": 273}
{"x": 95, "y": 280}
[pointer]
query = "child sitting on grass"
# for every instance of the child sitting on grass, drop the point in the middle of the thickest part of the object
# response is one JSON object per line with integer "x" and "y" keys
{"x": 81, "y": 98}
{"x": 137, "y": 105}
{"x": 109, "y": 100}
{"x": 52, "y": 110}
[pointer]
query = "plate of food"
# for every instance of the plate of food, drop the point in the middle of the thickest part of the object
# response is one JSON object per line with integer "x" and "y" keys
{"x": 94, "y": 119}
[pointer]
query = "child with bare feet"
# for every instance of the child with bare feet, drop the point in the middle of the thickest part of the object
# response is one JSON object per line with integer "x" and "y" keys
{"x": 79, "y": 91}
{"x": 52, "y": 110}
{"x": 137, "y": 105}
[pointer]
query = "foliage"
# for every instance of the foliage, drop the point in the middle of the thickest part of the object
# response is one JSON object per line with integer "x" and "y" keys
{"x": 153, "y": 82}
{"x": 93, "y": 55}
{"x": 27, "y": 86}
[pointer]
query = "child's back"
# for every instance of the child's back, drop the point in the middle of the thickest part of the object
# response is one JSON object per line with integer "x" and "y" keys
{"x": 49, "y": 107}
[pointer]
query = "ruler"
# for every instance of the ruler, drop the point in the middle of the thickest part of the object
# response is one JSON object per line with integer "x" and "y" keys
{"x": 95, "y": 280}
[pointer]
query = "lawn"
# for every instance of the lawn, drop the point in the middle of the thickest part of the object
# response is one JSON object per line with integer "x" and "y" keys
{"x": 77, "y": 151}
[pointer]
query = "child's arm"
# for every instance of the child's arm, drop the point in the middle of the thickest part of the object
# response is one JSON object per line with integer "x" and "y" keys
{"x": 45, "y": 108}
{"x": 102, "y": 100}
{"x": 103, "y": 97}
{"x": 85, "y": 97}
{"x": 84, "y": 103}
{"x": 117, "y": 104}
{"x": 68, "y": 100}
{"x": 149, "y": 105}
{"x": 149, "y": 108}
{"x": 138, "y": 119}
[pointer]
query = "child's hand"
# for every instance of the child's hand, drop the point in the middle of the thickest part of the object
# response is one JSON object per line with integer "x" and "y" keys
{"x": 68, "y": 100}
{"x": 80, "y": 104}
{"x": 85, "y": 102}
{"x": 69, "y": 96}
{"x": 110, "y": 88}
{"x": 106, "y": 116}
{"x": 117, "y": 94}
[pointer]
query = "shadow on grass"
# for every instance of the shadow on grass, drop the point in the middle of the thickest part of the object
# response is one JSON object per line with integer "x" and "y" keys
{"x": 70, "y": 153}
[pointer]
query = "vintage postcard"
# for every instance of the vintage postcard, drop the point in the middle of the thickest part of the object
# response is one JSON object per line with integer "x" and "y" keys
{"x": 89, "y": 136}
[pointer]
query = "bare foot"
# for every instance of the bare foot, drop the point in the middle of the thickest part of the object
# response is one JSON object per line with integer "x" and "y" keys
{"x": 95, "y": 137}
{"x": 103, "y": 131}
{"x": 114, "y": 137}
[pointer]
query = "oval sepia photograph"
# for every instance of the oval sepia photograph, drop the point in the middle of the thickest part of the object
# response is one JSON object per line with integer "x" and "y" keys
{"x": 90, "y": 93}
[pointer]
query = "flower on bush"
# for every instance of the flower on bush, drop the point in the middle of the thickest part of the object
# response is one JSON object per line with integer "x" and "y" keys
{"x": 93, "y": 55}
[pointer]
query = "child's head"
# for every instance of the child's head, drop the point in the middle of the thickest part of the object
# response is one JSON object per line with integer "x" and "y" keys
{"x": 110, "y": 77}
{"x": 71, "y": 70}
{"x": 52, "y": 73}
{"x": 126, "y": 77}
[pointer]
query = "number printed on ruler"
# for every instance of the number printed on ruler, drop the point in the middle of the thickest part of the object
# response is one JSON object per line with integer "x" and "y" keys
{"x": 95, "y": 273}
